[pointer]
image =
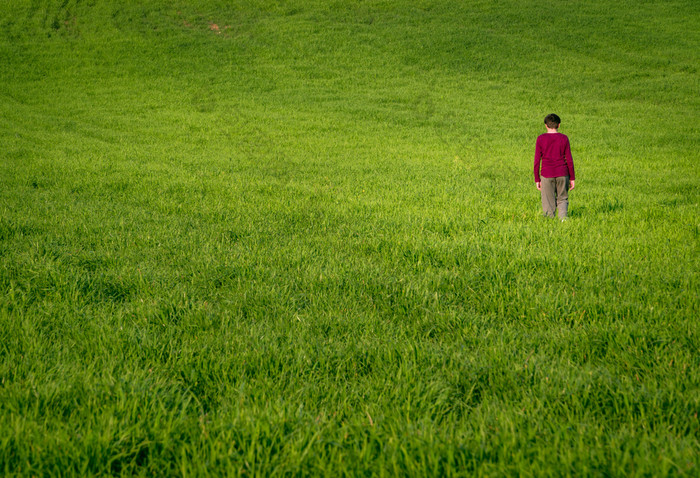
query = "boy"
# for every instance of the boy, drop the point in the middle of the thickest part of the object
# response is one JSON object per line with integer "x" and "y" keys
{"x": 554, "y": 152}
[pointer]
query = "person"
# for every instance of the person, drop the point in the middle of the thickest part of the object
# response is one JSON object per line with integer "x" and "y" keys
{"x": 557, "y": 177}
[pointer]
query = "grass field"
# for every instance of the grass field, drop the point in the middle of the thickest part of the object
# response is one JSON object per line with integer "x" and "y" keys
{"x": 286, "y": 237}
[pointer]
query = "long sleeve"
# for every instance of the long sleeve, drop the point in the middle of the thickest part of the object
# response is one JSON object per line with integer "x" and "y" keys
{"x": 538, "y": 158}
{"x": 569, "y": 160}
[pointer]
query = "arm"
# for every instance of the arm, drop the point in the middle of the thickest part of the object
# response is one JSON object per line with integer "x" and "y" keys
{"x": 569, "y": 163}
{"x": 538, "y": 158}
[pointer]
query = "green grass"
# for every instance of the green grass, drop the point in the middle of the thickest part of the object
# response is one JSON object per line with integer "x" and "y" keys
{"x": 307, "y": 240}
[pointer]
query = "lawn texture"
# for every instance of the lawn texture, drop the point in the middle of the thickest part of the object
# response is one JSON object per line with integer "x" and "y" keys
{"x": 303, "y": 238}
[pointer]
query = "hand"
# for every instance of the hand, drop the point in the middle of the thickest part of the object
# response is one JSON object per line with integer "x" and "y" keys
{"x": 539, "y": 185}
{"x": 571, "y": 185}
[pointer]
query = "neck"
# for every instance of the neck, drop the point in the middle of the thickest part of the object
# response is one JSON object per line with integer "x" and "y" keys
{"x": 552, "y": 130}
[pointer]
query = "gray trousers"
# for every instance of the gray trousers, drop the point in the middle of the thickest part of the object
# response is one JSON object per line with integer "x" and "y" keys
{"x": 555, "y": 195}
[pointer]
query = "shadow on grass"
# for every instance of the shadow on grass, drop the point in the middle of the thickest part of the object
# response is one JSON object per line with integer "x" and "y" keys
{"x": 603, "y": 208}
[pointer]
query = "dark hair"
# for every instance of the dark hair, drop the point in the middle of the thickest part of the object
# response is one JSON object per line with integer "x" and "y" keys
{"x": 552, "y": 121}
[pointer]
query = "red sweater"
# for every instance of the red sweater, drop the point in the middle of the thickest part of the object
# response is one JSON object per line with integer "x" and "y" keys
{"x": 554, "y": 152}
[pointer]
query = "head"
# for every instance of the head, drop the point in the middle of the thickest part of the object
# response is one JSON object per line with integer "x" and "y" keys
{"x": 552, "y": 121}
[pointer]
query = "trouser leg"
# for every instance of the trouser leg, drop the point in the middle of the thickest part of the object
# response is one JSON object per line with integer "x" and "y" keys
{"x": 549, "y": 199}
{"x": 563, "y": 196}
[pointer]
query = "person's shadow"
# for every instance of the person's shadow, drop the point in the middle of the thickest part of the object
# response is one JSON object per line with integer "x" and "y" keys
{"x": 605, "y": 207}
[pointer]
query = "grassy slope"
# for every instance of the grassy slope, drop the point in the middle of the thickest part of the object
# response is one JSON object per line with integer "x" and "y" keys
{"x": 311, "y": 243}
